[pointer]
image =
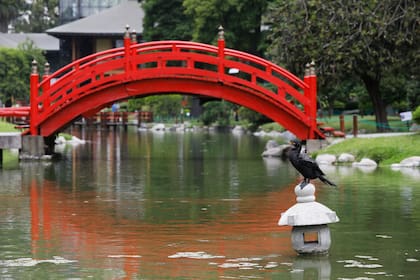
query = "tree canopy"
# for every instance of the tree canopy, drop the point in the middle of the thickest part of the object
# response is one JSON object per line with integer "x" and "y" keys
{"x": 241, "y": 20}
{"x": 367, "y": 39}
{"x": 9, "y": 10}
{"x": 29, "y": 17}
{"x": 165, "y": 107}
{"x": 354, "y": 43}
{"x": 38, "y": 17}
{"x": 199, "y": 21}
{"x": 15, "y": 69}
{"x": 166, "y": 20}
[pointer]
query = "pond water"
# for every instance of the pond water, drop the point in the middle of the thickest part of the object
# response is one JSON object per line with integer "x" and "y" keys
{"x": 142, "y": 205}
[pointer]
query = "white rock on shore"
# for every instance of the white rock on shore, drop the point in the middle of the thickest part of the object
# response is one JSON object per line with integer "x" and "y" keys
{"x": 346, "y": 158}
{"x": 365, "y": 162}
{"x": 238, "y": 130}
{"x": 408, "y": 162}
{"x": 327, "y": 159}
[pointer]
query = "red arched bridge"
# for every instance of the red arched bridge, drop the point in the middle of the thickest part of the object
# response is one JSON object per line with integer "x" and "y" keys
{"x": 89, "y": 84}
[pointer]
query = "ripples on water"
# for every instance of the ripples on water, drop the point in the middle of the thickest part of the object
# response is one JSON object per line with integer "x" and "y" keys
{"x": 196, "y": 206}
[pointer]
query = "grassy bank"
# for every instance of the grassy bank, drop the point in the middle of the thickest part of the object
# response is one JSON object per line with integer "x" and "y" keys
{"x": 383, "y": 150}
{"x": 7, "y": 127}
{"x": 365, "y": 124}
{"x": 10, "y": 159}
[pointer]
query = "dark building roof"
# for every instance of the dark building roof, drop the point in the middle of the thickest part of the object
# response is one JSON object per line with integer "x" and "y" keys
{"x": 109, "y": 22}
{"x": 41, "y": 40}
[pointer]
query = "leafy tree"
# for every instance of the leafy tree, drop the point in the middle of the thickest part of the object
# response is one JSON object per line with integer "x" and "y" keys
{"x": 347, "y": 93}
{"x": 240, "y": 19}
{"x": 253, "y": 118}
{"x": 416, "y": 115}
{"x": 216, "y": 112}
{"x": 412, "y": 88}
{"x": 367, "y": 39}
{"x": 199, "y": 21}
{"x": 163, "y": 106}
{"x": 9, "y": 10}
{"x": 15, "y": 69}
{"x": 135, "y": 104}
{"x": 166, "y": 20}
{"x": 42, "y": 14}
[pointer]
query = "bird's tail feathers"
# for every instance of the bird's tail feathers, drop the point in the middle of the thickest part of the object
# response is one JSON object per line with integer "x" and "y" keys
{"x": 326, "y": 181}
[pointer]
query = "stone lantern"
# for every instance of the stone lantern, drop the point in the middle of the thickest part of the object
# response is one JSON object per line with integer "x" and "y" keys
{"x": 309, "y": 219}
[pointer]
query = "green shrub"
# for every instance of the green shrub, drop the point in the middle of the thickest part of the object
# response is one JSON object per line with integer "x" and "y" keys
{"x": 416, "y": 115}
{"x": 215, "y": 112}
{"x": 379, "y": 153}
{"x": 66, "y": 136}
{"x": 7, "y": 127}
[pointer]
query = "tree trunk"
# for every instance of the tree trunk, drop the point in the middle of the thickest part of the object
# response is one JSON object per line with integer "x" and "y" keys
{"x": 372, "y": 87}
{"x": 4, "y": 26}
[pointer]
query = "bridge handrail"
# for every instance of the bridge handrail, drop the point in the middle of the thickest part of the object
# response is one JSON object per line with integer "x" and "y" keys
{"x": 228, "y": 57}
{"x": 255, "y": 59}
{"x": 60, "y": 73}
{"x": 170, "y": 45}
{"x": 123, "y": 64}
{"x": 144, "y": 48}
{"x": 177, "y": 45}
{"x": 214, "y": 50}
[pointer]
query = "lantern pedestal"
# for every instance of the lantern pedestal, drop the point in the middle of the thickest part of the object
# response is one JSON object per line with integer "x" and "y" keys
{"x": 309, "y": 219}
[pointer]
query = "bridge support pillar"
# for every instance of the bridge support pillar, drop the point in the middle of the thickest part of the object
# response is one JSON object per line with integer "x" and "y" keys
{"x": 9, "y": 140}
{"x": 32, "y": 147}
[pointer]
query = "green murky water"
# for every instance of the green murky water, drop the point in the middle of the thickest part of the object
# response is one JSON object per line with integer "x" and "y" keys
{"x": 168, "y": 205}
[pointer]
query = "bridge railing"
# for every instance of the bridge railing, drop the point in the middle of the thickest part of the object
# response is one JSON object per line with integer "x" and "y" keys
{"x": 210, "y": 62}
{"x": 203, "y": 61}
{"x": 178, "y": 59}
{"x": 253, "y": 66}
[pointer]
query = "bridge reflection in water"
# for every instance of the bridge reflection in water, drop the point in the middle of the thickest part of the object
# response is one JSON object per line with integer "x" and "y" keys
{"x": 103, "y": 232}
{"x": 140, "y": 205}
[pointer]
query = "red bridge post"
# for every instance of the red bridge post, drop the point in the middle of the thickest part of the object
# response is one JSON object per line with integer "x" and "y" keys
{"x": 311, "y": 94}
{"x": 127, "y": 39}
{"x": 33, "y": 98}
{"x": 46, "y": 87}
{"x": 127, "y": 43}
{"x": 221, "y": 50}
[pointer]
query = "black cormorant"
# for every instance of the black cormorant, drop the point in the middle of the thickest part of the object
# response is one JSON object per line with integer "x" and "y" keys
{"x": 306, "y": 165}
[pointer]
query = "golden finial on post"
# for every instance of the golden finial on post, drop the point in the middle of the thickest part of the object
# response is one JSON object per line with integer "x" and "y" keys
{"x": 34, "y": 67}
{"x": 221, "y": 33}
{"x": 307, "y": 69}
{"x": 127, "y": 31}
{"x": 46, "y": 68}
{"x": 312, "y": 69}
{"x": 133, "y": 36}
